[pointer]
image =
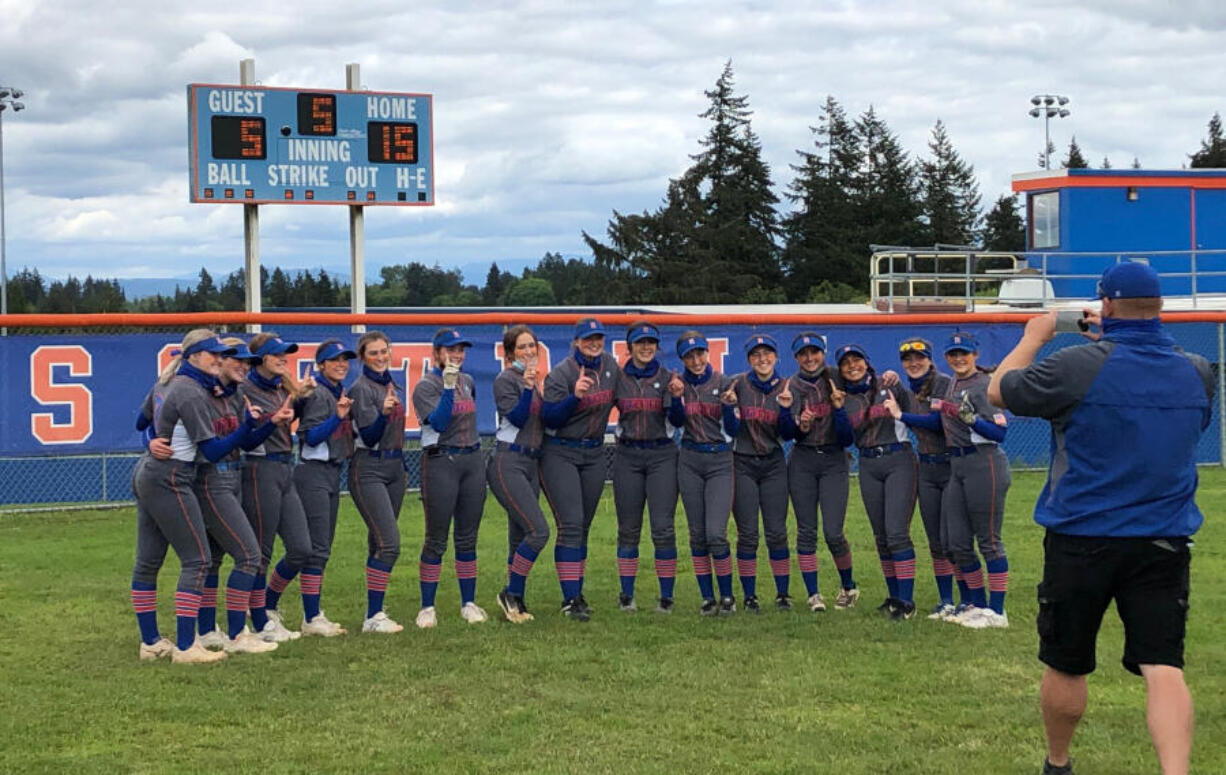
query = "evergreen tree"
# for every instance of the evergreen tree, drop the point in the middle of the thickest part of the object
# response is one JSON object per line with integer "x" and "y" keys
{"x": 278, "y": 289}
{"x": 233, "y": 293}
{"x": 1003, "y": 227}
{"x": 1106, "y": 163}
{"x": 30, "y": 285}
{"x": 1136, "y": 163}
{"x": 206, "y": 292}
{"x": 950, "y": 192}
{"x": 496, "y": 285}
{"x": 1043, "y": 158}
{"x": 1212, "y": 151}
{"x": 887, "y": 192}
{"x": 1075, "y": 160}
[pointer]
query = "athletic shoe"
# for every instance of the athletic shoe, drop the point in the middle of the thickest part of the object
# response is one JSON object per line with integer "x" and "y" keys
{"x": 783, "y": 602}
{"x": 1063, "y": 769}
{"x": 940, "y": 611}
{"x": 511, "y": 607}
{"x": 473, "y": 613}
{"x": 322, "y": 627}
{"x": 247, "y": 642}
{"x": 727, "y": 606}
{"x": 709, "y": 607}
{"x": 960, "y": 613}
{"x": 583, "y": 602}
{"x": 626, "y": 603}
{"x": 817, "y": 602}
{"x": 523, "y": 609}
{"x": 159, "y": 648}
{"x": 214, "y": 639}
{"x": 665, "y": 606}
{"x": 573, "y": 608}
{"x": 887, "y": 606}
{"x": 751, "y": 604}
{"x": 197, "y": 654}
{"x": 428, "y": 617}
{"x": 902, "y": 610}
{"x": 846, "y": 599}
{"x": 381, "y": 622}
{"x": 275, "y": 630}
{"x": 985, "y": 618}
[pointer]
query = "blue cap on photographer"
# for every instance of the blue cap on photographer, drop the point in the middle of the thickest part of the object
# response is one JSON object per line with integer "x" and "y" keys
{"x": 1129, "y": 280}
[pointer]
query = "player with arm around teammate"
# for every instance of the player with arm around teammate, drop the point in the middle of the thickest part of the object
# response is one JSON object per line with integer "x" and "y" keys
{"x": 325, "y": 442}
{"x": 513, "y": 470}
{"x": 452, "y": 474}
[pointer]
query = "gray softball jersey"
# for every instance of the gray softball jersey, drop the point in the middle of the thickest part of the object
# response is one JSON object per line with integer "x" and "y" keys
{"x": 509, "y": 388}
{"x": 642, "y": 403}
{"x": 186, "y": 417}
{"x": 958, "y": 433}
{"x": 930, "y": 442}
{"x": 591, "y": 417}
{"x": 461, "y": 431}
{"x": 315, "y": 410}
{"x": 704, "y": 411}
{"x": 814, "y": 394}
{"x": 758, "y": 433}
{"x": 367, "y": 398}
{"x": 871, "y": 421}
{"x": 280, "y": 440}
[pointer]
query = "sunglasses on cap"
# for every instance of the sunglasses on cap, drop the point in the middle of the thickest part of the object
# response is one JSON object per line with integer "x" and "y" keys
{"x": 913, "y": 347}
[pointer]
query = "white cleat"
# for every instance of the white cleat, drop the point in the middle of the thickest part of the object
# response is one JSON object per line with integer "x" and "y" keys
{"x": 320, "y": 626}
{"x": 846, "y": 599}
{"x": 213, "y": 639}
{"x": 275, "y": 630}
{"x": 942, "y": 612}
{"x": 427, "y": 618}
{"x": 247, "y": 642}
{"x": 817, "y": 603}
{"x": 196, "y": 654}
{"x": 472, "y": 613}
{"x": 986, "y": 618}
{"x": 158, "y": 649}
{"x": 381, "y": 622}
{"x": 961, "y": 614}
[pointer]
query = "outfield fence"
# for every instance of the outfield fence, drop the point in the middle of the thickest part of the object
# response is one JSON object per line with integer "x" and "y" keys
{"x": 70, "y": 438}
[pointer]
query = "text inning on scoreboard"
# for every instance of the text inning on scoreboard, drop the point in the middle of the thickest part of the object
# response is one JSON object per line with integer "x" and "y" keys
{"x": 297, "y": 146}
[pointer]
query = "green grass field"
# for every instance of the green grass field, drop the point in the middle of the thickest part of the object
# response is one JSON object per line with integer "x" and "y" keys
{"x": 845, "y": 692}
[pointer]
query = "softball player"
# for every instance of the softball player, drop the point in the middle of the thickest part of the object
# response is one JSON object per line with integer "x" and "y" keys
{"x": 269, "y": 496}
{"x": 645, "y": 465}
{"x": 452, "y": 474}
{"x": 704, "y": 467}
{"x": 578, "y": 398}
{"x": 764, "y": 400}
{"x": 926, "y": 385}
{"x": 325, "y": 442}
{"x": 377, "y": 477}
{"x": 974, "y": 502}
{"x": 887, "y": 473}
{"x": 513, "y": 469}
{"x": 818, "y": 470}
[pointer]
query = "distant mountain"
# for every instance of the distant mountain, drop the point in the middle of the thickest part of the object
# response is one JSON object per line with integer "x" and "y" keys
{"x": 140, "y": 287}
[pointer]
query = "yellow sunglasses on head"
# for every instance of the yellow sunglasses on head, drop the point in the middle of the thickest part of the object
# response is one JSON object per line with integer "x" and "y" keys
{"x": 919, "y": 347}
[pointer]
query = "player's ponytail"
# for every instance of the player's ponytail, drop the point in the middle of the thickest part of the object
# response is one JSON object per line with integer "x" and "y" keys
{"x": 192, "y": 337}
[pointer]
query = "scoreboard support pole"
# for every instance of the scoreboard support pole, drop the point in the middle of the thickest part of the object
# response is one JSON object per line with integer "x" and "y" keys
{"x": 251, "y": 225}
{"x": 357, "y": 230}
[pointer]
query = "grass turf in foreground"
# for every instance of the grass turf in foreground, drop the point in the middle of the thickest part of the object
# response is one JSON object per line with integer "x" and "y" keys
{"x": 845, "y": 691}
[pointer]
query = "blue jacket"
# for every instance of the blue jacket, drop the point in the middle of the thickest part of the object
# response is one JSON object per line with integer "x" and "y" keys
{"x": 1126, "y": 415}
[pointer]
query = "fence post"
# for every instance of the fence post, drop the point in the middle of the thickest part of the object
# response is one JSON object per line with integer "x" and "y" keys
{"x": 1221, "y": 400}
{"x": 104, "y": 487}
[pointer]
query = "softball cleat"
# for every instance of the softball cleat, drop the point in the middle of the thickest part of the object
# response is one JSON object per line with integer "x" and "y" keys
{"x": 156, "y": 650}
{"x": 381, "y": 622}
{"x": 196, "y": 654}
{"x": 473, "y": 613}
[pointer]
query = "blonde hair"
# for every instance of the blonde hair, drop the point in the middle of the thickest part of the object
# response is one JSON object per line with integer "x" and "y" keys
{"x": 191, "y": 338}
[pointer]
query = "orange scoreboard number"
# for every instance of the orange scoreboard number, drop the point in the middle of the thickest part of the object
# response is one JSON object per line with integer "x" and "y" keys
{"x": 316, "y": 114}
{"x": 236, "y": 137}
{"x": 391, "y": 143}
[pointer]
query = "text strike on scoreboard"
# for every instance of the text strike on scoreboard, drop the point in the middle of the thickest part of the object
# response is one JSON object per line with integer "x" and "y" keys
{"x": 267, "y": 145}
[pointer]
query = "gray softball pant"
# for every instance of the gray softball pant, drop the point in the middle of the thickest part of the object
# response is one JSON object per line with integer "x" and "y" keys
{"x": 273, "y": 507}
{"x": 974, "y": 504}
{"x": 705, "y": 482}
{"x": 229, "y": 530}
{"x": 319, "y": 488}
{"x": 761, "y": 483}
{"x": 645, "y": 477}
{"x": 169, "y": 513}
{"x": 933, "y": 479}
{"x": 514, "y": 478}
{"x": 573, "y": 479}
{"x": 887, "y": 485}
{"x": 452, "y": 488}
{"x": 819, "y": 477}
{"x": 377, "y": 486}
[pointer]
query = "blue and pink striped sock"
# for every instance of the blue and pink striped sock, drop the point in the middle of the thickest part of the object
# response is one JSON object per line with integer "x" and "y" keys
{"x": 627, "y": 568}
{"x": 973, "y": 575}
{"x": 887, "y": 569}
{"x": 311, "y": 583}
{"x": 723, "y": 573}
{"x": 747, "y": 569}
{"x": 377, "y": 575}
{"x": 702, "y": 571}
{"x": 904, "y": 572}
{"x": 998, "y": 583}
{"x": 257, "y": 603}
{"x": 569, "y": 563}
{"x": 808, "y": 570}
{"x": 666, "y": 571}
{"x": 145, "y": 604}
{"x": 943, "y": 571}
{"x": 781, "y": 569}
{"x": 238, "y": 600}
{"x": 843, "y": 563}
{"x": 521, "y": 566}
{"x": 206, "y": 619}
{"x": 466, "y": 575}
{"x": 964, "y": 592}
{"x": 187, "y": 606}
{"x": 282, "y": 575}
{"x": 428, "y": 571}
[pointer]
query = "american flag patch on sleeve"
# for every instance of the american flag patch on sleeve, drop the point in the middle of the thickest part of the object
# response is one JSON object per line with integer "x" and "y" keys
{"x": 999, "y": 419}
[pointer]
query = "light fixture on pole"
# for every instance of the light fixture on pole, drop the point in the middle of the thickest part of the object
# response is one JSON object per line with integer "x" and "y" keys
{"x": 9, "y": 97}
{"x": 1048, "y": 106}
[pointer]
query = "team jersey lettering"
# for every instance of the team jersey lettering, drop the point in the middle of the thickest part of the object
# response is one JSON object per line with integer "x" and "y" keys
{"x": 464, "y": 406}
{"x": 703, "y": 409}
{"x": 878, "y": 411}
{"x": 759, "y": 414}
{"x": 820, "y": 410}
{"x": 640, "y": 404}
{"x": 344, "y": 430}
{"x": 596, "y": 399}
{"x": 225, "y": 425}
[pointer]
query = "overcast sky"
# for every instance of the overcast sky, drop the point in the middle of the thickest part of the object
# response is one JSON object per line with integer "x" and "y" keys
{"x": 549, "y": 115}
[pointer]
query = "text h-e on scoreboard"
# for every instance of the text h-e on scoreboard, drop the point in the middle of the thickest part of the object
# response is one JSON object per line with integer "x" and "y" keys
{"x": 264, "y": 145}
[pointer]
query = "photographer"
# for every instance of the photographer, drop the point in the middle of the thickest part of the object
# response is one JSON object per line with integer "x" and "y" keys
{"x": 1126, "y": 414}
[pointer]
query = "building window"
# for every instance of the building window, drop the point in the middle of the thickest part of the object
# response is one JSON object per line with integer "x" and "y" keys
{"x": 1045, "y": 220}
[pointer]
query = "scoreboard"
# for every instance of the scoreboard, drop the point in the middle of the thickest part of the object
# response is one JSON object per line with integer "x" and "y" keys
{"x": 265, "y": 145}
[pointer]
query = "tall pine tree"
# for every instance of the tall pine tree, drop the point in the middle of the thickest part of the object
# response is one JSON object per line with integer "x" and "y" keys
{"x": 1075, "y": 159}
{"x": 1212, "y": 151}
{"x": 950, "y": 192}
{"x": 887, "y": 191}
{"x": 1003, "y": 228}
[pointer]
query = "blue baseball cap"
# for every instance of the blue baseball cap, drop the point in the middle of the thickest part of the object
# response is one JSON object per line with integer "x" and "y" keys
{"x": 450, "y": 338}
{"x": 808, "y": 339}
{"x": 275, "y": 346}
{"x": 760, "y": 340}
{"x": 1129, "y": 280}
{"x": 689, "y": 344}
{"x": 588, "y": 327}
{"x": 211, "y": 345}
{"x": 961, "y": 340}
{"x": 642, "y": 331}
{"x": 332, "y": 351}
{"x": 241, "y": 353}
{"x": 850, "y": 349}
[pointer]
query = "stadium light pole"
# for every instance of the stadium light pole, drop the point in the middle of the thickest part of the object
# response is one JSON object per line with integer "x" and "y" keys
{"x": 8, "y": 99}
{"x": 1048, "y": 106}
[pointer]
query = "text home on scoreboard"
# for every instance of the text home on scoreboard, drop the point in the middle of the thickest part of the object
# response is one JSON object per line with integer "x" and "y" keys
{"x": 309, "y": 146}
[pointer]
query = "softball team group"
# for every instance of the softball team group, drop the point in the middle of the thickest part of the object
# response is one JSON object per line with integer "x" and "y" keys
{"x": 220, "y": 477}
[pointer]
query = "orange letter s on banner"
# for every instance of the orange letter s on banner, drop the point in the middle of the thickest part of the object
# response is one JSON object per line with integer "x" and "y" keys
{"x": 78, "y": 397}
